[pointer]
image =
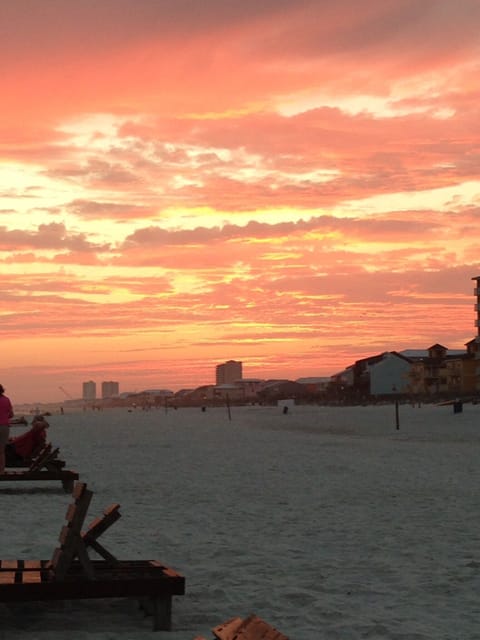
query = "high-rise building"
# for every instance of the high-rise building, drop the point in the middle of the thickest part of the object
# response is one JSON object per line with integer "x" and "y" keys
{"x": 109, "y": 389}
{"x": 89, "y": 390}
{"x": 228, "y": 372}
{"x": 476, "y": 348}
{"x": 476, "y": 293}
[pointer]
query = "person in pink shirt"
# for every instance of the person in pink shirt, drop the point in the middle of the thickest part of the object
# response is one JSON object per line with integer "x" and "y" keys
{"x": 6, "y": 414}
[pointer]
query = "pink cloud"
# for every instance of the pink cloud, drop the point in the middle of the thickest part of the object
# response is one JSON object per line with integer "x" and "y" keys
{"x": 115, "y": 114}
{"x": 168, "y": 57}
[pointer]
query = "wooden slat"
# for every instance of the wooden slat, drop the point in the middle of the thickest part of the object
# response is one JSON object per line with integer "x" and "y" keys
{"x": 251, "y": 628}
{"x": 65, "y": 531}
{"x": 70, "y": 512}
{"x": 55, "y": 558}
{"x": 227, "y": 630}
{"x": 103, "y": 522}
{"x": 78, "y": 489}
{"x": 156, "y": 563}
{"x": 111, "y": 509}
{"x": 21, "y": 565}
{"x": 170, "y": 572}
{"x": 31, "y": 577}
{"x": 7, "y": 577}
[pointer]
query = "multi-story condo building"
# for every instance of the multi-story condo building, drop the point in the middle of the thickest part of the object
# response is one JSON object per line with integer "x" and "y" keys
{"x": 476, "y": 293}
{"x": 228, "y": 372}
{"x": 89, "y": 391}
{"x": 109, "y": 389}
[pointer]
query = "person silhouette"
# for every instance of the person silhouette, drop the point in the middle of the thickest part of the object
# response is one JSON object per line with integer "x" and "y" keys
{"x": 6, "y": 414}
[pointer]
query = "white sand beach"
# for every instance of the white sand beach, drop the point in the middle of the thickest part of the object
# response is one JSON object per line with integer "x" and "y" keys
{"x": 325, "y": 522}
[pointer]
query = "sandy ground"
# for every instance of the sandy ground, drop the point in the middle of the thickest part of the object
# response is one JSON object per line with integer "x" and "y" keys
{"x": 326, "y": 522}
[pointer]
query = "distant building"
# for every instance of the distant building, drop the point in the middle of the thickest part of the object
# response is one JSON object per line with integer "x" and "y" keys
{"x": 314, "y": 385}
{"x": 378, "y": 375}
{"x": 388, "y": 373}
{"x": 438, "y": 370}
{"x": 228, "y": 372}
{"x": 109, "y": 389}
{"x": 89, "y": 391}
{"x": 476, "y": 293}
{"x": 275, "y": 390}
{"x": 249, "y": 387}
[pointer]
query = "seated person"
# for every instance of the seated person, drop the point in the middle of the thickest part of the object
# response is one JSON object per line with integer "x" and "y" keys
{"x": 21, "y": 450}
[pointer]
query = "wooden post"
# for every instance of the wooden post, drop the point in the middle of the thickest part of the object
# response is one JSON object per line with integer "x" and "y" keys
{"x": 227, "y": 398}
{"x": 397, "y": 417}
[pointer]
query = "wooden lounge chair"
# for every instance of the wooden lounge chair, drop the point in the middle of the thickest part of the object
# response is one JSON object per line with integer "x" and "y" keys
{"x": 46, "y": 466}
{"x": 46, "y": 458}
{"x": 71, "y": 574}
{"x": 251, "y": 628}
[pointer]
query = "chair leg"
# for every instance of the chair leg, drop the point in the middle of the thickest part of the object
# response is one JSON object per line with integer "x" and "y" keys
{"x": 162, "y": 613}
{"x": 67, "y": 484}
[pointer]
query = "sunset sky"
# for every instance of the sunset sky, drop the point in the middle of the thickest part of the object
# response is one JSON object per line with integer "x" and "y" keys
{"x": 290, "y": 183}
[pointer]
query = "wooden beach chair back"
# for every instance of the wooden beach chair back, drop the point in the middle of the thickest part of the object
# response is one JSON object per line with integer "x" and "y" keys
{"x": 72, "y": 546}
{"x": 46, "y": 455}
{"x": 251, "y": 628}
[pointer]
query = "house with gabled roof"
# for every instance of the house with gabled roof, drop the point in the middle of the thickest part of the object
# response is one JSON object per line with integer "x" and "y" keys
{"x": 384, "y": 374}
{"x": 442, "y": 371}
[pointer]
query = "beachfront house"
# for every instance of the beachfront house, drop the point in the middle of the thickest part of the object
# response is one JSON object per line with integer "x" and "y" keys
{"x": 378, "y": 376}
{"x": 315, "y": 386}
{"x": 429, "y": 369}
{"x": 438, "y": 371}
{"x": 274, "y": 390}
{"x": 381, "y": 375}
{"x": 249, "y": 388}
{"x": 340, "y": 386}
{"x": 472, "y": 366}
{"x": 228, "y": 391}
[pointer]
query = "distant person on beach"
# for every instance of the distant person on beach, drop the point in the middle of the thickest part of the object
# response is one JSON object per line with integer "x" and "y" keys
{"x": 6, "y": 414}
{"x": 22, "y": 449}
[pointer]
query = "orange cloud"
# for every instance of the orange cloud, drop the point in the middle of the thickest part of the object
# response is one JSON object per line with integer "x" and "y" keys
{"x": 294, "y": 185}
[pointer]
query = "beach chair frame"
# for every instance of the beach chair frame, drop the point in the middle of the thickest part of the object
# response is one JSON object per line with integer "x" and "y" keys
{"x": 71, "y": 574}
{"x": 45, "y": 466}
